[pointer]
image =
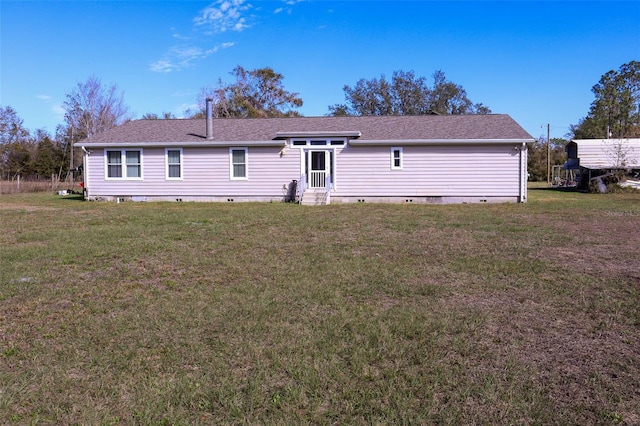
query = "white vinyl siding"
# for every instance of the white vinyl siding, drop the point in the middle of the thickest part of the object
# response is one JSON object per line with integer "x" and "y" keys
{"x": 238, "y": 163}
{"x": 123, "y": 164}
{"x": 487, "y": 170}
{"x": 174, "y": 163}
{"x": 430, "y": 171}
{"x": 205, "y": 173}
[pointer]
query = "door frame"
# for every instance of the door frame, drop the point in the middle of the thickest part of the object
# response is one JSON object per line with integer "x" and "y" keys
{"x": 329, "y": 162}
{"x": 316, "y": 177}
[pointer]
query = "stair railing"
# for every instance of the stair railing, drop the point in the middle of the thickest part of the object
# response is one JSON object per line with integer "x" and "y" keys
{"x": 302, "y": 186}
{"x": 327, "y": 187}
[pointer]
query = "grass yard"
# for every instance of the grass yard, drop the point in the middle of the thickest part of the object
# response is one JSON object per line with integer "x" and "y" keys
{"x": 195, "y": 313}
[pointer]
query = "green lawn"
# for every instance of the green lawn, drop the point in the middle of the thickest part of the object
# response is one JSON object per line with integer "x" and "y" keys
{"x": 196, "y": 313}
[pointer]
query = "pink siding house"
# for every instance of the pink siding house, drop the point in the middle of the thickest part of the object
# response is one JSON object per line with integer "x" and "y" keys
{"x": 313, "y": 160}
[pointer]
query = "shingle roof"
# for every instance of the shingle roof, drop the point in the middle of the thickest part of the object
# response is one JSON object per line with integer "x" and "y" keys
{"x": 397, "y": 128}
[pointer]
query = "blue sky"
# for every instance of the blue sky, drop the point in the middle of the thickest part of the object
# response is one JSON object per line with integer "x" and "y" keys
{"x": 533, "y": 60}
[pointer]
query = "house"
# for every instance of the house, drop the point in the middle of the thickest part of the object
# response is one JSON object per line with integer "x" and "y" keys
{"x": 318, "y": 160}
{"x": 594, "y": 158}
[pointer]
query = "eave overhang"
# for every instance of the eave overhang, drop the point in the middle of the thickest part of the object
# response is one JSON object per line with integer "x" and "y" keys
{"x": 319, "y": 134}
{"x": 439, "y": 141}
{"x": 190, "y": 144}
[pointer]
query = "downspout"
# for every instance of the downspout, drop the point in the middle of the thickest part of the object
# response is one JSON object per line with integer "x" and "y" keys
{"x": 523, "y": 173}
{"x": 85, "y": 171}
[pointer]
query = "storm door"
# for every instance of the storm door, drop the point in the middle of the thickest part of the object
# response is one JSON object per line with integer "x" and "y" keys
{"x": 318, "y": 166}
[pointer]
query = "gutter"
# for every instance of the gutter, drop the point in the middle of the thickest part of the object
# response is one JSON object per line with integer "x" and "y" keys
{"x": 220, "y": 144}
{"x": 439, "y": 141}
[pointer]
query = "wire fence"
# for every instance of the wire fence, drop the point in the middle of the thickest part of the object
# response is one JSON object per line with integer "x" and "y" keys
{"x": 37, "y": 184}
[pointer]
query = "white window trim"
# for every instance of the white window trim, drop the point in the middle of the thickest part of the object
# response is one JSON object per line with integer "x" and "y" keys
{"x": 246, "y": 163}
{"x": 166, "y": 164}
{"x": 393, "y": 162}
{"x": 123, "y": 164}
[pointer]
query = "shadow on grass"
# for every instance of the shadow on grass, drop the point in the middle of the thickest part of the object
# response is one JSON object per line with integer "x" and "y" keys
{"x": 556, "y": 189}
{"x": 72, "y": 197}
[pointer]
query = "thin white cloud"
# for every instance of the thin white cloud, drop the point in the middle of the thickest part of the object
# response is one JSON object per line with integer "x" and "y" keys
{"x": 223, "y": 16}
{"x": 55, "y": 108}
{"x": 179, "y": 58}
{"x": 289, "y": 8}
{"x": 185, "y": 110}
{"x": 219, "y": 17}
{"x": 175, "y": 34}
{"x": 58, "y": 110}
{"x": 163, "y": 65}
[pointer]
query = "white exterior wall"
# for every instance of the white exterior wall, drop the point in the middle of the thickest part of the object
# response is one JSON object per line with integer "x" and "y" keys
{"x": 454, "y": 171}
{"x": 205, "y": 175}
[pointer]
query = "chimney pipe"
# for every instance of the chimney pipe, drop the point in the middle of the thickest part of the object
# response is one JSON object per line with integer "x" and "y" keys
{"x": 209, "y": 118}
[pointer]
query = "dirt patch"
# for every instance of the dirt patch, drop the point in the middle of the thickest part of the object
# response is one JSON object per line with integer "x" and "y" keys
{"x": 577, "y": 356}
{"x": 27, "y": 208}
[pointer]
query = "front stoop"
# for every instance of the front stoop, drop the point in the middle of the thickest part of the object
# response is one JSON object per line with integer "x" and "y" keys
{"x": 314, "y": 197}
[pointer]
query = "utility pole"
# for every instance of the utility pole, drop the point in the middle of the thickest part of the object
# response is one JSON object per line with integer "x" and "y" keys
{"x": 548, "y": 153}
{"x": 71, "y": 180}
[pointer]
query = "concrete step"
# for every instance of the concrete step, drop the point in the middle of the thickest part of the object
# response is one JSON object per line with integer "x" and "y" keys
{"x": 314, "y": 198}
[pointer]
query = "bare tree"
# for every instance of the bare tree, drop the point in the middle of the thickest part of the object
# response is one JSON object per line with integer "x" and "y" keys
{"x": 92, "y": 108}
{"x": 620, "y": 153}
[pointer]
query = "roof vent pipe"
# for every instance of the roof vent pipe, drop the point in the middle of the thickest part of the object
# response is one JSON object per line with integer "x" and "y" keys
{"x": 209, "y": 118}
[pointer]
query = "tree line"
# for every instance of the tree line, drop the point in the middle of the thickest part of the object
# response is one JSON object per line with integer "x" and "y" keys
{"x": 92, "y": 107}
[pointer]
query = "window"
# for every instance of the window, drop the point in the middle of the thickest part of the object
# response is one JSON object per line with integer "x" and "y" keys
{"x": 396, "y": 158}
{"x": 238, "y": 163}
{"x": 318, "y": 142}
{"x": 134, "y": 164}
{"x": 114, "y": 164}
{"x": 174, "y": 163}
{"x": 124, "y": 164}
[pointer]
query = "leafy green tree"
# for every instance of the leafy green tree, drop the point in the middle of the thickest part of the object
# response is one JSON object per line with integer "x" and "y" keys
{"x": 14, "y": 140}
{"x": 255, "y": 93}
{"x": 615, "y": 111}
{"x": 406, "y": 94}
{"x": 537, "y": 157}
{"x": 48, "y": 158}
{"x": 21, "y": 153}
{"x": 16, "y": 159}
{"x": 447, "y": 97}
